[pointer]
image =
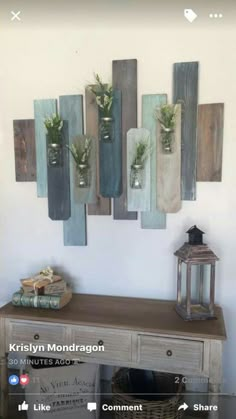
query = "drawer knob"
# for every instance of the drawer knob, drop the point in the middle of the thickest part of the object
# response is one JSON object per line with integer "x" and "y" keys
{"x": 100, "y": 343}
{"x": 169, "y": 353}
{"x": 36, "y": 336}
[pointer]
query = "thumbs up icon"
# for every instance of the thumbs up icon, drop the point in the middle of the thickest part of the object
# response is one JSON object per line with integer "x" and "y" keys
{"x": 23, "y": 406}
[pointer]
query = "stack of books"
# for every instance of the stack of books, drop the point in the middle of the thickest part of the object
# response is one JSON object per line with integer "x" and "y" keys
{"x": 44, "y": 290}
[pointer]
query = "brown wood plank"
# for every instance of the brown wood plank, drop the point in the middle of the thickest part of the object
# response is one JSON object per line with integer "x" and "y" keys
{"x": 210, "y": 142}
{"x": 124, "y": 78}
{"x": 24, "y": 145}
{"x": 137, "y": 314}
{"x": 103, "y": 205}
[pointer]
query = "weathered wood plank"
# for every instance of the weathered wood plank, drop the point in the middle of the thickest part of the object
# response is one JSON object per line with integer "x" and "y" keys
{"x": 138, "y": 199}
{"x": 42, "y": 109}
{"x": 24, "y": 146}
{"x": 124, "y": 76}
{"x": 102, "y": 205}
{"x": 87, "y": 195}
{"x": 110, "y": 155}
{"x": 210, "y": 142}
{"x": 75, "y": 229}
{"x": 153, "y": 219}
{"x": 186, "y": 93}
{"x": 59, "y": 183}
{"x": 169, "y": 170}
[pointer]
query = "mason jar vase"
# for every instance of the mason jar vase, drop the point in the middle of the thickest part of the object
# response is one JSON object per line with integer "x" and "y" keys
{"x": 167, "y": 140}
{"x": 83, "y": 176}
{"x": 137, "y": 176}
{"x": 54, "y": 155}
{"x": 106, "y": 129}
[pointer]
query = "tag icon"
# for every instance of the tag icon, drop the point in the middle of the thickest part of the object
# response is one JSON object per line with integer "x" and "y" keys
{"x": 190, "y": 15}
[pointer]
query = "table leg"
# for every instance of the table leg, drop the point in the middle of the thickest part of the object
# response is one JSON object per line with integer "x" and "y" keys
{"x": 4, "y": 387}
{"x": 215, "y": 377}
{"x": 213, "y": 400}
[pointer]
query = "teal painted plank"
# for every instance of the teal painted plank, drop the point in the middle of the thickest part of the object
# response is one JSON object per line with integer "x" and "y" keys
{"x": 110, "y": 156}
{"x": 42, "y": 109}
{"x": 87, "y": 195}
{"x": 138, "y": 199}
{"x": 75, "y": 229}
{"x": 154, "y": 219}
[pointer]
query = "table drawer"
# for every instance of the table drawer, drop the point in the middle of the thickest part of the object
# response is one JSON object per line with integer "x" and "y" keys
{"x": 171, "y": 355}
{"x": 117, "y": 345}
{"x": 36, "y": 333}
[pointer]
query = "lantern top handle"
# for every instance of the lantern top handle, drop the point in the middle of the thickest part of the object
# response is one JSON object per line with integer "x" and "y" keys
{"x": 195, "y": 235}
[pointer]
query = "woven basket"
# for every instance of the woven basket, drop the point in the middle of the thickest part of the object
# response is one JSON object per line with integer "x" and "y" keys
{"x": 151, "y": 409}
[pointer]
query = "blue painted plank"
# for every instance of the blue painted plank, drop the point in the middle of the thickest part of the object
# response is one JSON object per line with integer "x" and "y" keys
{"x": 186, "y": 94}
{"x": 154, "y": 219}
{"x": 110, "y": 155}
{"x": 138, "y": 199}
{"x": 124, "y": 78}
{"x": 59, "y": 183}
{"x": 75, "y": 231}
{"x": 42, "y": 109}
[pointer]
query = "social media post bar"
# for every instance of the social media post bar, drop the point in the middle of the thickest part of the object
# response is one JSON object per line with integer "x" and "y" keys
{"x": 150, "y": 12}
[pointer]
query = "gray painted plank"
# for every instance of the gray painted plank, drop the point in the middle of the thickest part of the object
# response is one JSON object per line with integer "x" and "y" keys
{"x": 59, "y": 183}
{"x": 87, "y": 195}
{"x": 24, "y": 147}
{"x": 110, "y": 155}
{"x": 42, "y": 109}
{"x": 75, "y": 229}
{"x": 102, "y": 205}
{"x": 153, "y": 219}
{"x": 210, "y": 142}
{"x": 138, "y": 199}
{"x": 186, "y": 93}
{"x": 169, "y": 170}
{"x": 124, "y": 76}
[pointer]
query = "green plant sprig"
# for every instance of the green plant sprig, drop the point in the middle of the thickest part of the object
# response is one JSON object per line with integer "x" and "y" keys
{"x": 166, "y": 116}
{"x": 81, "y": 152}
{"x": 142, "y": 151}
{"x": 54, "y": 126}
{"x": 104, "y": 95}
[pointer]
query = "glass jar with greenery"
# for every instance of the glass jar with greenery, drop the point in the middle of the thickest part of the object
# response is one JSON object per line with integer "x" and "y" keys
{"x": 104, "y": 100}
{"x": 54, "y": 126}
{"x": 166, "y": 117}
{"x": 81, "y": 155}
{"x": 137, "y": 172}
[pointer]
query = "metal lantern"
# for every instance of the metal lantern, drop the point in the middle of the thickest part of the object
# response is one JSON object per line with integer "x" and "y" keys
{"x": 195, "y": 278}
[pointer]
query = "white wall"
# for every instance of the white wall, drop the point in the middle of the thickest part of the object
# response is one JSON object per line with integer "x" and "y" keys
{"x": 120, "y": 259}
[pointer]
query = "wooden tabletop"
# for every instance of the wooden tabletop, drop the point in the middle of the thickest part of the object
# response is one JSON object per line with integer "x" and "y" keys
{"x": 136, "y": 314}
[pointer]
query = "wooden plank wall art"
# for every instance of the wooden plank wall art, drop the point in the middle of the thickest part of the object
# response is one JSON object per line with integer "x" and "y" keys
{"x": 153, "y": 219}
{"x": 75, "y": 229}
{"x": 110, "y": 155}
{"x": 24, "y": 146}
{"x": 102, "y": 206}
{"x": 186, "y": 94}
{"x": 210, "y": 142}
{"x": 124, "y": 77}
{"x": 42, "y": 109}
{"x": 59, "y": 182}
{"x": 149, "y": 170}
{"x": 138, "y": 170}
{"x": 169, "y": 165}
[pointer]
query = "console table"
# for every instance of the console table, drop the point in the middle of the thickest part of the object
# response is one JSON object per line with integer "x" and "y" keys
{"x": 135, "y": 332}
